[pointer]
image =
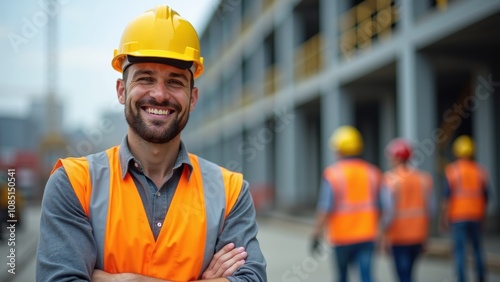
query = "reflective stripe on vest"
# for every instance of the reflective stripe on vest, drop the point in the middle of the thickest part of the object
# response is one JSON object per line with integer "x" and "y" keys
{"x": 467, "y": 181}
{"x": 411, "y": 190}
{"x": 124, "y": 239}
{"x": 354, "y": 217}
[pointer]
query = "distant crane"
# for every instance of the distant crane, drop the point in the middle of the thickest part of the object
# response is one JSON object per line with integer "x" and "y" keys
{"x": 53, "y": 143}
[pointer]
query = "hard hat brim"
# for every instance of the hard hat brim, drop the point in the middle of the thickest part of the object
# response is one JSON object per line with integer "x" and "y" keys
{"x": 130, "y": 60}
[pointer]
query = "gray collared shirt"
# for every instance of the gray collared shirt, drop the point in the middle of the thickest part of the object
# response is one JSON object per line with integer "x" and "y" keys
{"x": 67, "y": 250}
{"x": 156, "y": 200}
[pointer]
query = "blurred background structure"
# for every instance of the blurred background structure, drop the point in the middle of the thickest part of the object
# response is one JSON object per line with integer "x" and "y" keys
{"x": 282, "y": 75}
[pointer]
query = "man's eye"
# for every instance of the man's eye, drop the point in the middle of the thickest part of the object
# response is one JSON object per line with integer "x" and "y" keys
{"x": 175, "y": 83}
{"x": 145, "y": 79}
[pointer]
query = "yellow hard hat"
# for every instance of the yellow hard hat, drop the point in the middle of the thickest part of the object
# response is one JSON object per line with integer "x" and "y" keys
{"x": 347, "y": 140}
{"x": 160, "y": 34}
{"x": 463, "y": 147}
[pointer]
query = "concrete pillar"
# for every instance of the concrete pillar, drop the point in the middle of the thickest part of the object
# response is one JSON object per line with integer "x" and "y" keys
{"x": 256, "y": 150}
{"x": 427, "y": 129}
{"x": 407, "y": 96}
{"x": 480, "y": 103}
{"x": 336, "y": 110}
{"x": 286, "y": 160}
{"x": 328, "y": 29}
{"x": 284, "y": 43}
{"x": 417, "y": 107}
{"x": 387, "y": 125}
{"x": 257, "y": 73}
{"x": 286, "y": 157}
{"x": 406, "y": 83}
{"x": 302, "y": 181}
{"x": 232, "y": 159}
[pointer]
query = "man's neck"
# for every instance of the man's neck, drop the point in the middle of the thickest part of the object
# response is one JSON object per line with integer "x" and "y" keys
{"x": 157, "y": 160}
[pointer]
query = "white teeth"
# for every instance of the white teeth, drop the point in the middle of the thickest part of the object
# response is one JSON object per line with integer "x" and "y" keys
{"x": 157, "y": 112}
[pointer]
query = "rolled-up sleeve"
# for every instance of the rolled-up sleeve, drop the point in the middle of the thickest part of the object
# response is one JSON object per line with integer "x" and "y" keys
{"x": 325, "y": 198}
{"x": 387, "y": 207}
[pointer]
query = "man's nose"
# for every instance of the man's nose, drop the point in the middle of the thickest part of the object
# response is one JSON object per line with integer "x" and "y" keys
{"x": 160, "y": 91}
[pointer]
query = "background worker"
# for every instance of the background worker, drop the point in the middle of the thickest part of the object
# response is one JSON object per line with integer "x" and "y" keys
{"x": 464, "y": 205}
{"x": 348, "y": 205}
{"x": 408, "y": 204}
{"x": 147, "y": 210}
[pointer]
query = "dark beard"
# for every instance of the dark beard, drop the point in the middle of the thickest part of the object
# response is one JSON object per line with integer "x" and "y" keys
{"x": 154, "y": 135}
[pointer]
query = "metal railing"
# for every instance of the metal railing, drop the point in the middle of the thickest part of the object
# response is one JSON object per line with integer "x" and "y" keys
{"x": 308, "y": 58}
{"x": 365, "y": 23}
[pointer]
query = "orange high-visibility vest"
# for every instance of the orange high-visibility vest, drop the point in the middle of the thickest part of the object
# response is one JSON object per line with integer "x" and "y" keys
{"x": 411, "y": 190}
{"x": 355, "y": 185}
{"x": 467, "y": 182}
{"x": 125, "y": 241}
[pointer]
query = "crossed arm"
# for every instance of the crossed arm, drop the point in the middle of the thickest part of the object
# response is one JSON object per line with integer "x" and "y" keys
{"x": 223, "y": 264}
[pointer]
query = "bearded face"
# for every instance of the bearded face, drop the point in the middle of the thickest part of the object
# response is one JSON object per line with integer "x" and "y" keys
{"x": 156, "y": 130}
{"x": 158, "y": 99}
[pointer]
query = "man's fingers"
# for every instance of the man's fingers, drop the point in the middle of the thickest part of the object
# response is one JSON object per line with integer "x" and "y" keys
{"x": 227, "y": 248}
{"x": 227, "y": 260}
{"x": 233, "y": 268}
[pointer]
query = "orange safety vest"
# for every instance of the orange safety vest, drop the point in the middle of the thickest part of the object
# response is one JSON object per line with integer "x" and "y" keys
{"x": 124, "y": 239}
{"x": 467, "y": 182}
{"x": 355, "y": 185}
{"x": 411, "y": 190}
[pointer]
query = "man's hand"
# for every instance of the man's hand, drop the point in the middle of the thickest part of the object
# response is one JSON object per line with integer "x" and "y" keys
{"x": 315, "y": 244}
{"x": 443, "y": 223}
{"x": 225, "y": 262}
{"x": 382, "y": 244}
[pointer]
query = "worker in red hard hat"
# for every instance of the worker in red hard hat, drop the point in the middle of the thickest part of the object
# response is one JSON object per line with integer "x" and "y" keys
{"x": 407, "y": 202}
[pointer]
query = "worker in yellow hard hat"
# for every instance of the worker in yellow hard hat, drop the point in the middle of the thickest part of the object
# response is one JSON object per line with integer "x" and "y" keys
{"x": 147, "y": 209}
{"x": 348, "y": 205}
{"x": 464, "y": 205}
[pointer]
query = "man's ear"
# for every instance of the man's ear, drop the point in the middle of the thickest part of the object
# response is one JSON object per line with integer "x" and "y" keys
{"x": 120, "y": 90}
{"x": 194, "y": 98}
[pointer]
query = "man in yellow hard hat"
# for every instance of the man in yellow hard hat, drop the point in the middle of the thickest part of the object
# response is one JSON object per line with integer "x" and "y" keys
{"x": 348, "y": 205}
{"x": 147, "y": 210}
{"x": 464, "y": 205}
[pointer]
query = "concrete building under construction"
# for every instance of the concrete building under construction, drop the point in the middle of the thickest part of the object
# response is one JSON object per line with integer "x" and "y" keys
{"x": 281, "y": 76}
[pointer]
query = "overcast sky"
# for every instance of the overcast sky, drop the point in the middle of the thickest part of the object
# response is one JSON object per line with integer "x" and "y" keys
{"x": 89, "y": 31}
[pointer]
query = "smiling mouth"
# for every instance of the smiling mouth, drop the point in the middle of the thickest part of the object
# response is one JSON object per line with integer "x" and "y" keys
{"x": 159, "y": 112}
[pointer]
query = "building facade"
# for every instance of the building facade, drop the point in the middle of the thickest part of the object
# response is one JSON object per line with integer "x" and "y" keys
{"x": 281, "y": 76}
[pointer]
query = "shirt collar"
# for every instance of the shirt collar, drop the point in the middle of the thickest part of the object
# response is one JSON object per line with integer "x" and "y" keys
{"x": 126, "y": 158}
